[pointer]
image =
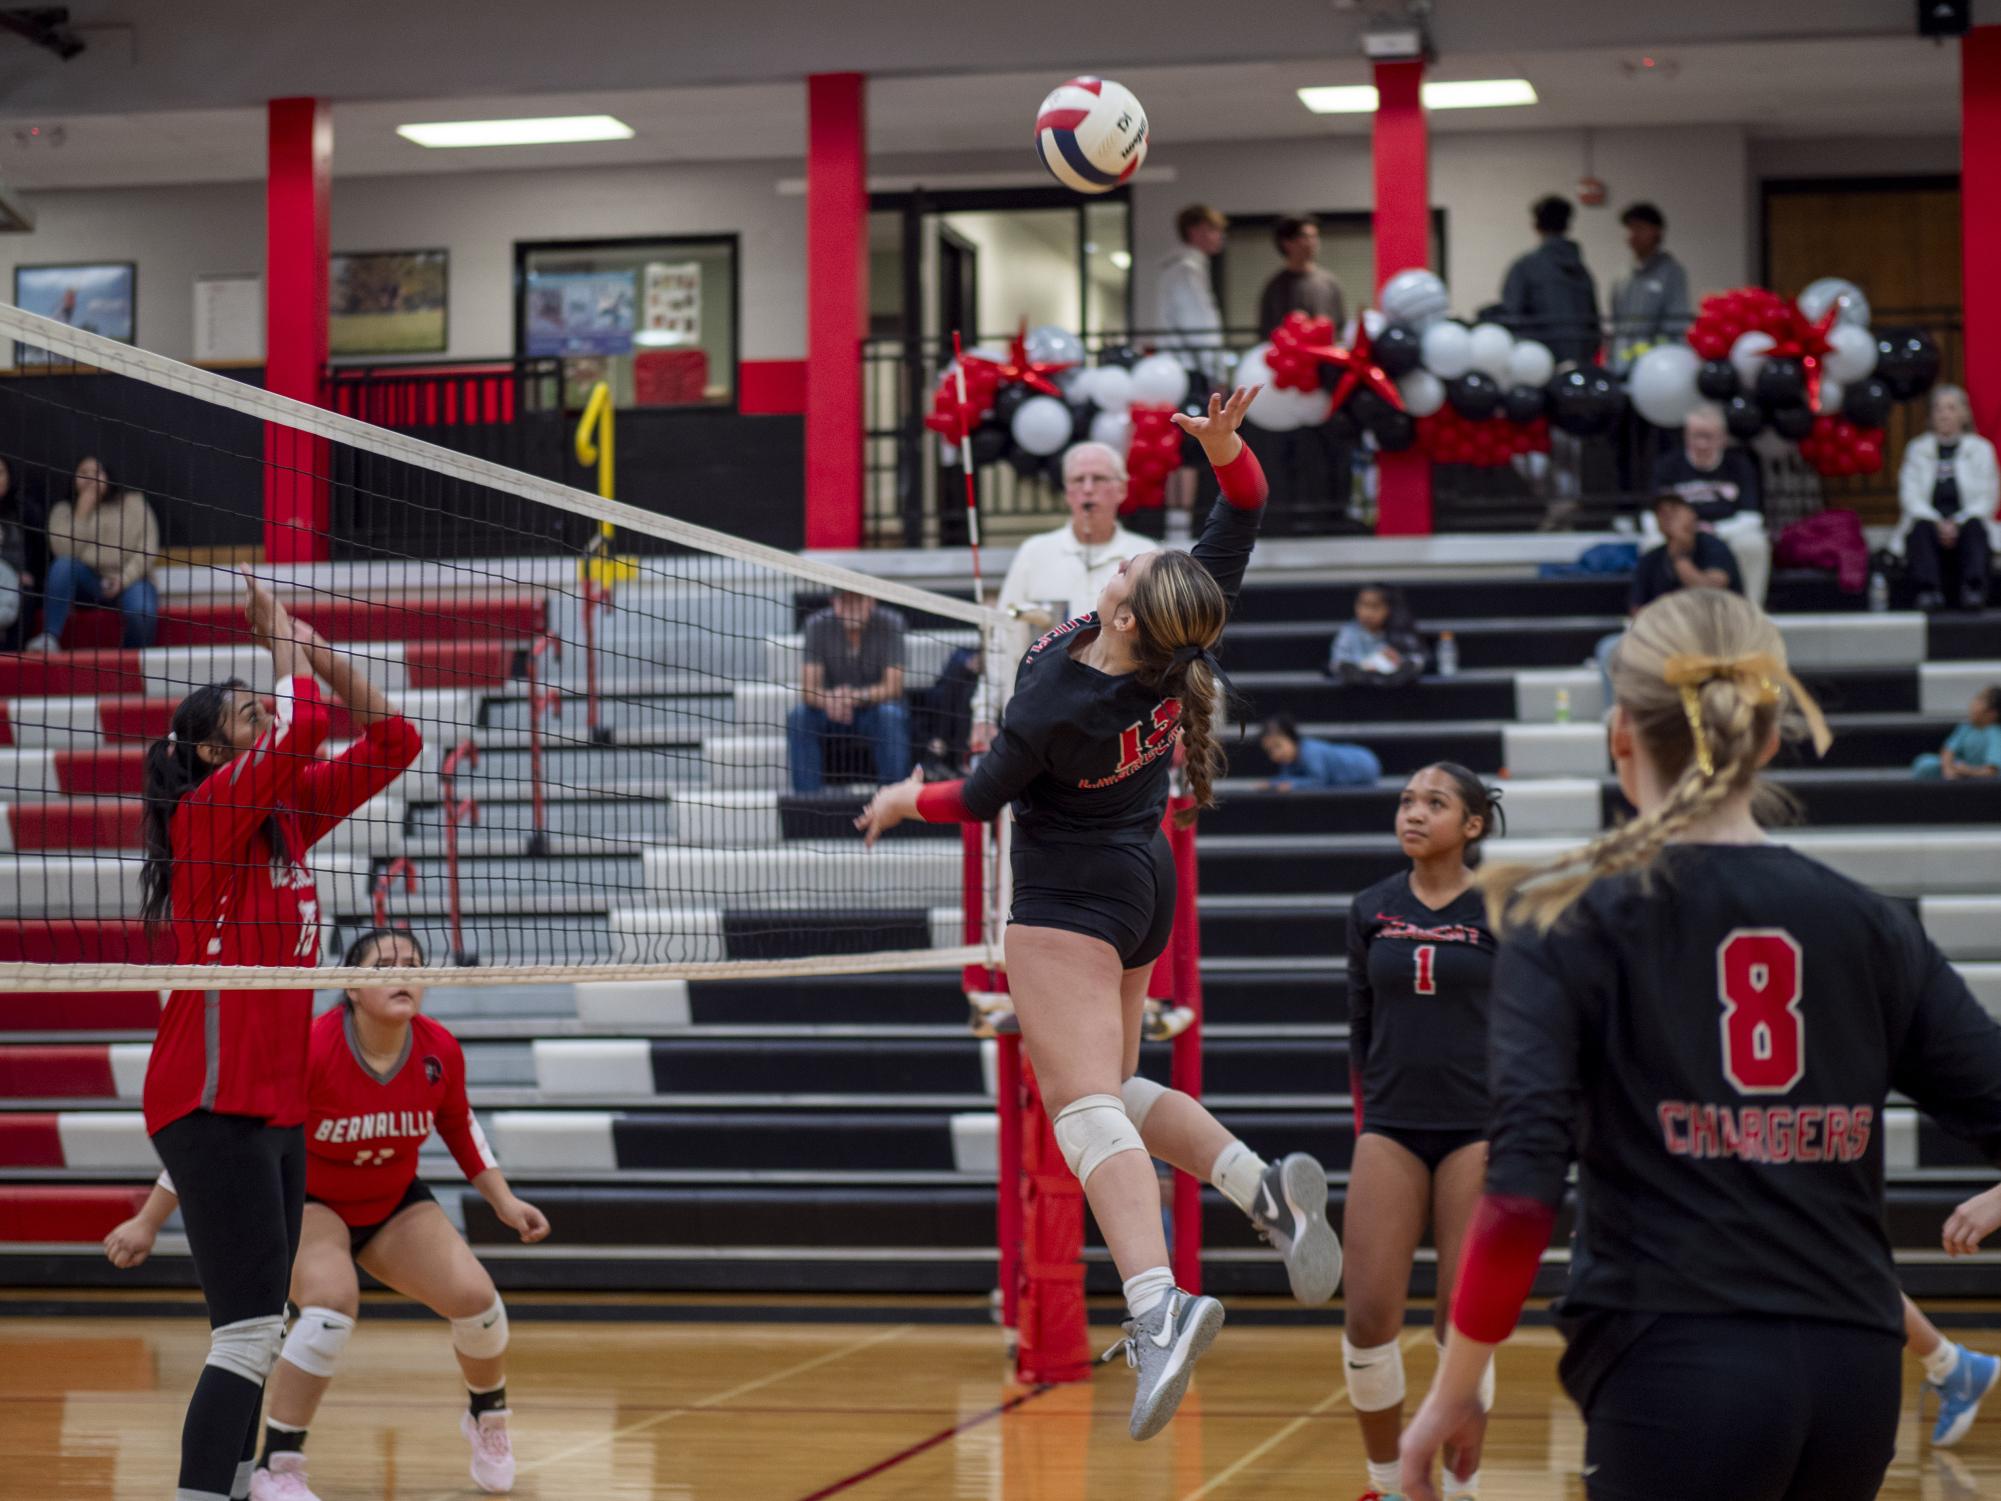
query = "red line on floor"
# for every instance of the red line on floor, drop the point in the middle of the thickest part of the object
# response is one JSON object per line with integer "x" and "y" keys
{"x": 943, "y": 1435}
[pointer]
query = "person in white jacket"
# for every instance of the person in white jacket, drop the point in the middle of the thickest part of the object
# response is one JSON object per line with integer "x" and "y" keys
{"x": 1948, "y": 488}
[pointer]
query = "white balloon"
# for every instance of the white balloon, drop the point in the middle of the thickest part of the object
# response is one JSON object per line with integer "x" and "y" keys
{"x": 1448, "y": 350}
{"x": 1747, "y": 357}
{"x": 1311, "y": 407}
{"x": 1269, "y": 409}
{"x": 1416, "y": 297}
{"x": 1662, "y": 384}
{"x": 1114, "y": 430}
{"x": 1530, "y": 364}
{"x": 1830, "y": 395}
{"x": 1160, "y": 379}
{"x": 1492, "y": 348}
{"x": 1112, "y": 387}
{"x": 1834, "y": 290}
{"x": 1053, "y": 344}
{"x": 1041, "y": 425}
{"x": 1853, "y": 356}
{"x": 1423, "y": 393}
{"x": 948, "y": 455}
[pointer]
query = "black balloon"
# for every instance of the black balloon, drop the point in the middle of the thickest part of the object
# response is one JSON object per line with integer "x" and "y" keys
{"x": 1907, "y": 361}
{"x": 1584, "y": 400}
{"x": 1339, "y": 429}
{"x": 1393, "y": 431}
{"x": 1364, "y": 407}
{"x": 1792, "y": 423}
{"x": 1027, "y": 465}
{"x": 1475, "y": 395}
{"x": 1398, "y": 350}
{"x": 1082, "y": 414}
{"x": 990, "y": 441}
{"x": 1867, "y": 403}
{"x": 1782, "y": 383}
{"x": 1122, "y": 355}
{"x": 1744, "y": 417}
{"x": 1717, "y": 380}
{"x": 1008, "y": 400}
{"x": 1525, "y": 403}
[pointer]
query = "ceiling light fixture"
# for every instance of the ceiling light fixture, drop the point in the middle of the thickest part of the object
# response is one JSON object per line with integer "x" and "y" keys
{"x": 1478, "y": 93}
{"x": 550, "y": 131}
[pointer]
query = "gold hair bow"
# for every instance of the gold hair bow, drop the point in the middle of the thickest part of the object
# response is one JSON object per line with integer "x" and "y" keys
{"x": 1759, "y": 675}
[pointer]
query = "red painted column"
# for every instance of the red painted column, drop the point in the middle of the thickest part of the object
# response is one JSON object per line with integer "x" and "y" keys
{"x": 1403, "y": 240}
{"x": 298, "y": 191}
{"x": 1980, "y": 217}
{"x": 836, "y": 305}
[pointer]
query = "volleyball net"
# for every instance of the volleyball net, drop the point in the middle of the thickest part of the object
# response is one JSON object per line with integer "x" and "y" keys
{"x": 644, "y": 742}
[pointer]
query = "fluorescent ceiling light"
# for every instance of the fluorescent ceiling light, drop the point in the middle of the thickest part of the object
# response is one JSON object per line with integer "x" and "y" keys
{"x": 544, "y": 132}
{"x": 1479, "y": 93}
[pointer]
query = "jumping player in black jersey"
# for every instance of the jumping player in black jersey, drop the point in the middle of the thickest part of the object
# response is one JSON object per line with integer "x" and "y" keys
{"x": 1709, "y": 1024}
{"x": 1083, "y": 755}
{"x": 1420, "y": 955}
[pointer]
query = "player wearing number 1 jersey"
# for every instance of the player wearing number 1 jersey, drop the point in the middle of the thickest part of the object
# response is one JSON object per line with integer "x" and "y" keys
{"x": 1709, "y": 1025}
{"x": 235, "y": 796}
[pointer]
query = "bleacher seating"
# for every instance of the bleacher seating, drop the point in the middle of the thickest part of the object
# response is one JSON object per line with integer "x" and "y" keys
{"x": 839, "y": 1132}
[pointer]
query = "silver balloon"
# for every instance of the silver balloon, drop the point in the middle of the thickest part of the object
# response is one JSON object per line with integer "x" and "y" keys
{"x": 1833, "y": 290}
{"x": 1416, "y": 297}
{"x": 1052, "y": 344}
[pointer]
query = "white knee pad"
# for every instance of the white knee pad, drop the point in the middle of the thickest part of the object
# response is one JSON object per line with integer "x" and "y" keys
{"x": 317, "y": 1338}
{"x": 1375, "y": 1376}
{"x": 247, "y": 1348}
{"x": 1092, "y": 1129}
{"x": 1139, "y": 1096}
{"x": 484, "y": 1335}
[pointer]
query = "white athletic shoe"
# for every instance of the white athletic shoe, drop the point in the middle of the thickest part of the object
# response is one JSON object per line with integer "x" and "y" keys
{"x": 43, "y": 643}
{"x": 1162, "y": 1345}
{"x": 1290, "y": 1211}
{"x": 492, "y": 1450}
{"x": 286, "y": 1481}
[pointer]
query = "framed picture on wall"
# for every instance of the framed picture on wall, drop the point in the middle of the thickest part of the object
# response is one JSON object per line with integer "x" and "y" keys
{"x": 388, "y": 302}
{"x": 98, "y": 297}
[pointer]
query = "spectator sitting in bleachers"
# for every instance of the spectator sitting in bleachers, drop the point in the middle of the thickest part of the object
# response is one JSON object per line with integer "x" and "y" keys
{"x": 1380, "y": 647}
{"x": 850, "y": 684}
{"x": 17, "y": 578}
{"x": 1304, "y": 761}
{"x": 103, "y": 546}
{"x": 1688, "y": 558}
{"x": 1948, "y": 488}
{"x": 1721, "y": 482}
{"x": 1973, "y": 751}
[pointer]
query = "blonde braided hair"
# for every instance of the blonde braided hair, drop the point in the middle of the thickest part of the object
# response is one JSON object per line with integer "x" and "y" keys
{"x": 1702, "y": 674}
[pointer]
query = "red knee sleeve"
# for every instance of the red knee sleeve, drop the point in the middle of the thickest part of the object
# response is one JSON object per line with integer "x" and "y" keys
{"x": 1243, "y": 480}
{"x": 1503, "y": 1252}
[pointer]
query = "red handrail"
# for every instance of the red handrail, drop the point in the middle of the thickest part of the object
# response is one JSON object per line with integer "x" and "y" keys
{"x": 384, "y": 882}
{"x": 540, "y": 698}
{"x": 456, "y": 807}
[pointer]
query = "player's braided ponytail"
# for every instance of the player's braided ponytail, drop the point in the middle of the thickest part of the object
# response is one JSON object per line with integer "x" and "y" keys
{"x": 1702, "y": 674}
{"x": 1180, "y": 612}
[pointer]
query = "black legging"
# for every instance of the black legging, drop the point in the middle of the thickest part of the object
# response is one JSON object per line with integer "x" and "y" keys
{"x": 242, "y": 1187}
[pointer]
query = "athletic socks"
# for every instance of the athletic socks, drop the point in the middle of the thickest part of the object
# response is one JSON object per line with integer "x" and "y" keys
{"x": 1941, "y": 1363}
{"x": 1384, "y": 1477}
{"x": 492, "y": 1400}
{"x": 281, "y": 1439}
{"x": 240, "y": 1491}
{"x": 1144, "y": 1290}
{"x": 1455, "y": 1488}
{"x": 1235, "y": 1174}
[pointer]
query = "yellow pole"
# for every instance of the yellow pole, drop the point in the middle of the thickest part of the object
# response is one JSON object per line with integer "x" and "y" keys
{"x": 596, "y": 445}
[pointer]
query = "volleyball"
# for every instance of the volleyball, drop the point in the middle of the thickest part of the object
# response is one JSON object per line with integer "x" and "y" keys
{"x": 1091, "y": 134}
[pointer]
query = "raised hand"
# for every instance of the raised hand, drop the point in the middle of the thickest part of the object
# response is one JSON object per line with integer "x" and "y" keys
{"x": 1216, "y": 430}
{"x": 890, "y": 806}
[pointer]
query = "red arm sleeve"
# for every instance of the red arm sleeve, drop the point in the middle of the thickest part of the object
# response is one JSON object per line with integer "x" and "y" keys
{"x": 330, "y": 790}
{"x": 217, "y": 819}
{"x": 456, "y": 1126}
{"x": 1243, "y": 480}
{"x": 944, "y": 802}
{"x": 1497, "y": 1269}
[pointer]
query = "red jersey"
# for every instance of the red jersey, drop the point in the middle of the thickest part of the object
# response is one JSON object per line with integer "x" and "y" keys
{"x": 364, "y": 1129}
{"x": 238, "y": 900}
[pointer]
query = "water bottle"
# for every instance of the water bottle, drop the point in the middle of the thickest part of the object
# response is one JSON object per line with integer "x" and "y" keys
{"x": 1563, "y": 706}
{"x": 1879, "y": 591}
{"x": 1448, "y": 656}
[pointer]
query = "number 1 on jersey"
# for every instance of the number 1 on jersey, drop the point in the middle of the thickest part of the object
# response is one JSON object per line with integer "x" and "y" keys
{"x": 1758, "y": 977}
{"x": 1427, "y": 971}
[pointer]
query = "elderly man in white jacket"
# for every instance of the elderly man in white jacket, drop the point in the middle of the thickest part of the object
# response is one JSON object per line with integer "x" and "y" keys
{"x": 1948, "y": 488}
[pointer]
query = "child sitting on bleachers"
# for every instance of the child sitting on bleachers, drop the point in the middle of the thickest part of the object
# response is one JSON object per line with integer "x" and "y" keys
{"x": 1303, "y": 761}
{"x": 1379, "y": 648}
{"x": 1973, "y": 751}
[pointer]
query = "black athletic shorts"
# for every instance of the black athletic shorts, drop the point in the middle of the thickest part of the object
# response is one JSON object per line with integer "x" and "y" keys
{"x": 1428, "y": 1145}
{"x": 360, "y": 1235}
{"x": 1727, "y": 1407}
{"x": 1120, "y": 893}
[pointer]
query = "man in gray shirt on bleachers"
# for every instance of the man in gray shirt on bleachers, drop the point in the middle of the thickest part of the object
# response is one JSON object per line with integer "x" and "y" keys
{"x": 850, "y": 686}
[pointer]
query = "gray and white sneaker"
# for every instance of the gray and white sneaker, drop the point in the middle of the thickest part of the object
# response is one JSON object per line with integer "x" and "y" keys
{"x": 1290, "y": 1211}
{"x": 1163, "y": 1345}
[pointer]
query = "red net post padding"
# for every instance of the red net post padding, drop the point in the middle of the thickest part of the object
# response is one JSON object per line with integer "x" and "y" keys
{"x": 1054, "y": 1343}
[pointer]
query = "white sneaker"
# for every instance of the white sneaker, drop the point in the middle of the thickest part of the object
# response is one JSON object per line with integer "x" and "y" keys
{"x": 492, "y": 1450}
{"x": 285, "y": 1481}
{"x": 43, "y": 642}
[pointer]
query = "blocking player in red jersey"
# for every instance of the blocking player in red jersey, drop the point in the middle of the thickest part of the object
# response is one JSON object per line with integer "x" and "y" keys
{"x": 235, "y": 796}
{"x": 1420, "y": 959}
{"x": 1709, "y": 1024}
{"x": 383, "y": 1076}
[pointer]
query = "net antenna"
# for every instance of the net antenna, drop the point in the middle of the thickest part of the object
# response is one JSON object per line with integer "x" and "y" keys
{"x": 966, "y": 465}
{"x": 703, "y": 830}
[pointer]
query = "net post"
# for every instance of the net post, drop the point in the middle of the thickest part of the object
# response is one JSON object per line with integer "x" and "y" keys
{"x": 1054, "y": 1340}
{"x": 540, "y": 700}
{"x": 455, "y": 808}
{"x": 597, "y": 596}
{"x": 977, "y": 979}
{"x": 1185, "y": 1069}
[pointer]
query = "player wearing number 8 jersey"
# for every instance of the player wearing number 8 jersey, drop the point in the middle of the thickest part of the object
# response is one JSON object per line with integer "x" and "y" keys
{"x": 235, "y": 796}
{"x": 1084, "y": 754}
{"x": 1709, "y": 1024}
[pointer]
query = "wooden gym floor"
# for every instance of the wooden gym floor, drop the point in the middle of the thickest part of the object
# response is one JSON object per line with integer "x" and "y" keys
{"x": 742, "y": 1410}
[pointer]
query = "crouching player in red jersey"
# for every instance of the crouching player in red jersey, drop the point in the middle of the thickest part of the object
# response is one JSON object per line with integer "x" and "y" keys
{"x": 382, "y": 1076}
